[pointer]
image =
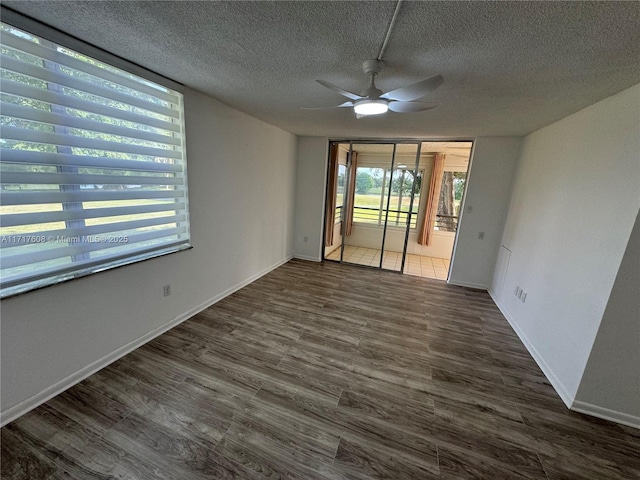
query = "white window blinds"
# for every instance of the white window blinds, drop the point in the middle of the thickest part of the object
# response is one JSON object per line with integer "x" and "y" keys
{"x": 92, "y": 166}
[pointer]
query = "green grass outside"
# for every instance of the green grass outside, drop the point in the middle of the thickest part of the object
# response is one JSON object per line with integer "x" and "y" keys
{"x": 44, "y": 227}
{"x": 368, "y": 200}
{"x": 373, "y": 201}
{"x": 56, "y": 207}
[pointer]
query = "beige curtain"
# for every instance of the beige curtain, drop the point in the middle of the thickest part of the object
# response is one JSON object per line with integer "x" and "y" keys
{"x": 425, "y": 235}
{"x": 351, "y": 194}
{"x": 332, "y": 187}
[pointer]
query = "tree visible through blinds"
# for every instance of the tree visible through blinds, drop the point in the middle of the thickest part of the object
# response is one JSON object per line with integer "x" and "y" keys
{"x": 92, "y": 165}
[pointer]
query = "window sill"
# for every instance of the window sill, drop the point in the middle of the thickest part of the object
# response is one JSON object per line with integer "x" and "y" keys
{"x": 17, "y": 290}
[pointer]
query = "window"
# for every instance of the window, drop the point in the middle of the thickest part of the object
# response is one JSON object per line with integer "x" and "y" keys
{"x": 93, "y": 171}
{"x": 372, "y": 193}
{"x": 449, "y": 204}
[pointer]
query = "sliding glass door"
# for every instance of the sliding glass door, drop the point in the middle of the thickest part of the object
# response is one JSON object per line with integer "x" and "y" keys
{"x": 372, "y": 202}
{"x": 401, "y": 210}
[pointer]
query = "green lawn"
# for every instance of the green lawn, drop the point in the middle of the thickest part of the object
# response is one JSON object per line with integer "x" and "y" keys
{"x": 373, "y": 201}
{"x": 44, "y": 227}
{"x": 368, "y": 200}
{"x": 56, "y": 207}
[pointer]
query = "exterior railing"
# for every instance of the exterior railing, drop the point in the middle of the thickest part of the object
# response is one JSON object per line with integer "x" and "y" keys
{"x": 444, "y": 223}
{"x": 372, "y": 215}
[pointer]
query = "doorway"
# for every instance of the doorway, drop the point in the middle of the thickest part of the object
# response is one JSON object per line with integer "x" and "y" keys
{"x": 395, "y": 205}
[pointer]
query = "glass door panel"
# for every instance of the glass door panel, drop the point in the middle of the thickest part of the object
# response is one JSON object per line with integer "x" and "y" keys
{"x": 400, "y": 205}
{"x": 375, "y": 194}
{"x": 366, "y": 203}
{"x": 337, "y": 179}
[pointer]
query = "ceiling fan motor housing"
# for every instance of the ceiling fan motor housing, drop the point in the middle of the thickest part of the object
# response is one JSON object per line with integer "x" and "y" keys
{"x": 372, "y": 66}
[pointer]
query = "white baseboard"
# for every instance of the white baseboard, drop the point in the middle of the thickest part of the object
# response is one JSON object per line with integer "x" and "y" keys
{"x": 39, "y": 398}
{"x": 480, "y": 286}
{"x": 560, "y": 389}
{"x": 307, "y": 257}
{"x": 567, "y": 398}
{"x": 606, "y": 414}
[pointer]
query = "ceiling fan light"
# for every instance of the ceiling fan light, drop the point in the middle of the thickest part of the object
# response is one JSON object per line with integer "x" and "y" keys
{"x": 371, "y": 107}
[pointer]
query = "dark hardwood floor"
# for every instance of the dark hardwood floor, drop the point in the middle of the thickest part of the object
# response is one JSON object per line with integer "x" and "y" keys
{"x": 323, "y": 371}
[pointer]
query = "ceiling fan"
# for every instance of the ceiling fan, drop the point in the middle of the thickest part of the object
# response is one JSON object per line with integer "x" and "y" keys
{"x": 372, "y": 101}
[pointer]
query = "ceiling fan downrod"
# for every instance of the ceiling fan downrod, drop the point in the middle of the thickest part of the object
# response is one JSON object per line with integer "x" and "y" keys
{"x": 372, "y": 68}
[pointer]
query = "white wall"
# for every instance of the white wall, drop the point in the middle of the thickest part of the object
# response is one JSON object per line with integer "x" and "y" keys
{"x": 310, "y": 197}
{"x": 610, "y": 384}
{"x": 486, "y": 202}
{"x": 241, "y": 192}
{"x": 575, "y": 199}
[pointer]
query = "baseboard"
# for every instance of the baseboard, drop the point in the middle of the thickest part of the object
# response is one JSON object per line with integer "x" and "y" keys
{"x": 480, "y": 286}
{"x": 308, "y": 258}
{"x": 606, "y": 414}
{"x": 560, "y": 389}
{"x": 34, "y": 401}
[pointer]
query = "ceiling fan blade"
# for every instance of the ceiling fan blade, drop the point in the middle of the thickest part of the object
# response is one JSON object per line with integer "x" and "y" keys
{"x": 416, "y": 90}
{"x": 335, "y": 88}
{"x": 410, "y": 107}
{"x": 345, "y": 104}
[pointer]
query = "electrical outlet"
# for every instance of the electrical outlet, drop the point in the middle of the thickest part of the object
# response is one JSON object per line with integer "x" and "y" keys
{"x": 306, "y": 239}
{"x": 480, "y": 235}
{"x": 470, "y": 209}
{"x": 166, "y": 290}
{"x": 516, "y": 291}
{"x": 523, "y": 297}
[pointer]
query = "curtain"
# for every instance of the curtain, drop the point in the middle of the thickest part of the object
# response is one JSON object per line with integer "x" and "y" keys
{"x": 351, "y": 193}
{"x": 425, "y": 235}
{"x": 332, "y": 187}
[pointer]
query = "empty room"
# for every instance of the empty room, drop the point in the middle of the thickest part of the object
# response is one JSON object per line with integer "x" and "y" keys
{"x": 320, "y": 240}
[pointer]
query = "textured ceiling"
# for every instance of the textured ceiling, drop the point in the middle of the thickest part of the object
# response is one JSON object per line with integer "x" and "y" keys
{"x": 509, "y": 67}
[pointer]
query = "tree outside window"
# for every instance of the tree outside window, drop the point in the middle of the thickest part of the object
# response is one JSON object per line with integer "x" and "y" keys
{"x": 450, "y": 199}
{"x": 372, "y": 192}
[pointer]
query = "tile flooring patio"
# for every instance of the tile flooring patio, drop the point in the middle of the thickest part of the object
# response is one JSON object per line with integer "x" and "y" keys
{"x": 419, "y": 266}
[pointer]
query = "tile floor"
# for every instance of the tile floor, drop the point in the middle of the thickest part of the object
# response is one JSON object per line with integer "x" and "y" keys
{"x": 427, "y": 267}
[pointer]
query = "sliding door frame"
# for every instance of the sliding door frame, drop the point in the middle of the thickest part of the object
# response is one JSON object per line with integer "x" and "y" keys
{"x": 346, "y": 202}
{"x": 410, "y": 214}
{"x": 386, "y": 210}
{"x": 395, "y": 142}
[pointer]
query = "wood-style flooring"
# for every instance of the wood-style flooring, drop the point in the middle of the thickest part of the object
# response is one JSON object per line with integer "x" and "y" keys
{"x": 323, "y": 371}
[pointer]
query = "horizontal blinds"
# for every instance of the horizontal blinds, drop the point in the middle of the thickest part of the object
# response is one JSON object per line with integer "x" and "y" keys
{"x": 92, "y": 165}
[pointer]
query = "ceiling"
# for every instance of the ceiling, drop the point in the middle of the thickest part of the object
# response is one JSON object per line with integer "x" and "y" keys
{"x": 510, "y": 68}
